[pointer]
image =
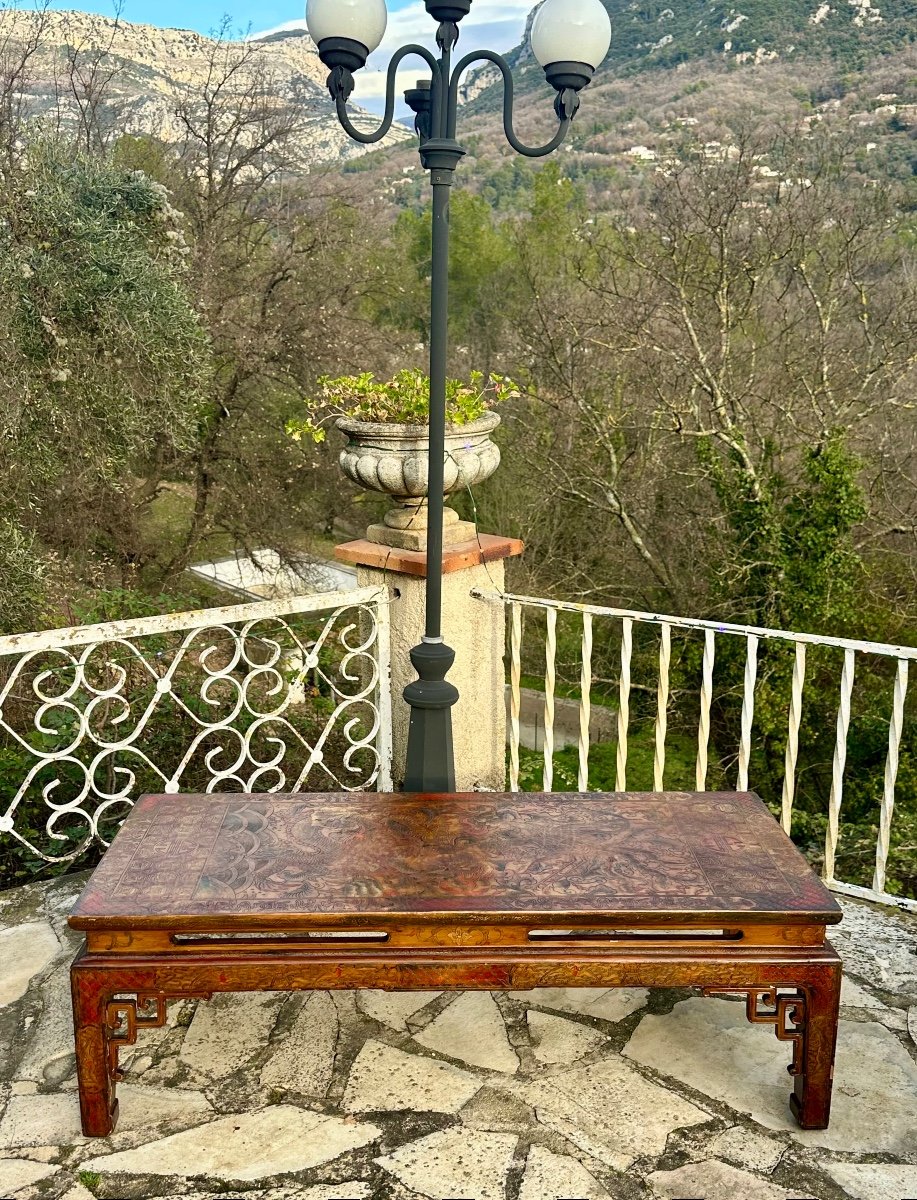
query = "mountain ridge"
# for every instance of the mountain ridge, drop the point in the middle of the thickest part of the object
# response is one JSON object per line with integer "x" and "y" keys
{"x": 149, "y": 70}
{"x": 661, "y": 34}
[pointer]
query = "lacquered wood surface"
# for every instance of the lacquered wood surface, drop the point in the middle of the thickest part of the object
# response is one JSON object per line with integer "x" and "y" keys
{"x": 632, "y": 857}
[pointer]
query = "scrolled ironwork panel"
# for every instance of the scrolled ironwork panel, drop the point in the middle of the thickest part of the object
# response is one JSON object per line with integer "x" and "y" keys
{"x": 280, "y": 696}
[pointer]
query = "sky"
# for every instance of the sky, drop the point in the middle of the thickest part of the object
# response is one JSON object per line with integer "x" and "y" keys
{"x": 496, "y": 24}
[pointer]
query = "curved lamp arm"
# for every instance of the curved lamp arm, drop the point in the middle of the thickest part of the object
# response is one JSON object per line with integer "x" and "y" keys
{"x": 509, "y": 96}
{"x": 342, "y": 95}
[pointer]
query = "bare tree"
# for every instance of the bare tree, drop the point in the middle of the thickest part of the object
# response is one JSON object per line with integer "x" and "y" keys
{"x": 91, "y": 70}
{"x": 22, "y": 36}
{"x": 762, "y": 308}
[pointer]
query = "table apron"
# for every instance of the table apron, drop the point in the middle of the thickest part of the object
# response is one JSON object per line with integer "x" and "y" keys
{"x": 459, "y": 969}
{"x": 396, "y": 938}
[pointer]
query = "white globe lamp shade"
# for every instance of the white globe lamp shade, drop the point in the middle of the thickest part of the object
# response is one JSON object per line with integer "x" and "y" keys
{"x": 576, "y": 31}
{"x": 361, "y": 21}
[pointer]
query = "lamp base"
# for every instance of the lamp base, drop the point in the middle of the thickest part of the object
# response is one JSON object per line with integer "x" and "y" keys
{"x": 430, "y": 766}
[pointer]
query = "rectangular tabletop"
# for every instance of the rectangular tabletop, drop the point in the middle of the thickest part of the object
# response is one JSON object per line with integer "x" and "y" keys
{"x": 184, "y": 861}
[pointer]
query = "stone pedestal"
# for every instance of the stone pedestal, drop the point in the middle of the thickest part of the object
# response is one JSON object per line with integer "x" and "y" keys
{"x": 474, "y": 629}
{"x": 405, "y": 528}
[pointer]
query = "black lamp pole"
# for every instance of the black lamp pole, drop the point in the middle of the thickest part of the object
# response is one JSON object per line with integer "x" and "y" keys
{"x": 430, "y": 759}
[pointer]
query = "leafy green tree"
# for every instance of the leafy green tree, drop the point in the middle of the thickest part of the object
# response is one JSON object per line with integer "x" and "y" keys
{"x": 103, "y": 358}
{"x": 482, "y": 279}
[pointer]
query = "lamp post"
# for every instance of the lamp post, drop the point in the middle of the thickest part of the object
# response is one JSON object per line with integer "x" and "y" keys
{"x": 570, "y": 38}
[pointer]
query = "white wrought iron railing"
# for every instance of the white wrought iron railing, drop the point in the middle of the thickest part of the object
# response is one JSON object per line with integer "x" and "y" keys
{"x": 286, "y": 695}
{"x": 856, "y": 659}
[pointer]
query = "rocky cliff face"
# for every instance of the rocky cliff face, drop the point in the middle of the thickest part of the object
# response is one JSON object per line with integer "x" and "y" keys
{"x": 658, "y": 34}
{"x": 145, "y": 75}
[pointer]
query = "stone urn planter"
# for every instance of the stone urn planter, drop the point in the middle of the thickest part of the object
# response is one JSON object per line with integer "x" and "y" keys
{"x": 394, "y": 460}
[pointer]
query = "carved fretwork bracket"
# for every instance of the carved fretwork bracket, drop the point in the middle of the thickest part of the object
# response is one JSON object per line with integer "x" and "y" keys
{"x": 125, "y": 1017}
{"x": 786, "y": 1011}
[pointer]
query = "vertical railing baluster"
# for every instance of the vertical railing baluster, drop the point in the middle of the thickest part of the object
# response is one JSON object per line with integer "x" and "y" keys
{"x": 627, "y": 646}
{"x": 706, "y": 700}
{"x": 792, "y": 739}
{"x": 840, "y": 761}
{"x": 662, "y": 706}
{"x": 550, "y": 682}
{"x": 895, "y": 728}
{"x": 515, "y": 695}
{"x": 585, "y": 709}
{"x": 748, "y": 711}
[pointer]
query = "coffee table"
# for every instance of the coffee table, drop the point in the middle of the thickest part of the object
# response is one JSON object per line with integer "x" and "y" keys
{"x": 228, "y": 893}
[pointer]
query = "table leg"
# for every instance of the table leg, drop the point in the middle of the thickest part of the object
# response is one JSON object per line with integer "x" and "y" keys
{"x": 811, "y": 1099}
{"x": 804, "y": 1014}
{"x": 110, "y": 1006}
{"x": 98, "y": 1104}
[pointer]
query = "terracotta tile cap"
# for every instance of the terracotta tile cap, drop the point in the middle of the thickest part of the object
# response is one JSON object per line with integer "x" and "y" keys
{"x": 487, "y": 547}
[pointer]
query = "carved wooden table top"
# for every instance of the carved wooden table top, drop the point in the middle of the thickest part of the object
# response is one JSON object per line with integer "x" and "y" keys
{"x": 277, "y": 860}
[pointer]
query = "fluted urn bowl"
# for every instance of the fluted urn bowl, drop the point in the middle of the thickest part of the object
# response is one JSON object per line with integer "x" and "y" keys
{"x": 395, "y": 460}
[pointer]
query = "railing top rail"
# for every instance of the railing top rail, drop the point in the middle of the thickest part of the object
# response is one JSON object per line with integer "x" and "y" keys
{"x": 201, "y": 618}
{"x": 811, "y": 639}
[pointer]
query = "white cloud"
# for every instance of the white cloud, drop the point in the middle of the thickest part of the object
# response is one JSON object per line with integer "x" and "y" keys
{"x": 492, "y": 24}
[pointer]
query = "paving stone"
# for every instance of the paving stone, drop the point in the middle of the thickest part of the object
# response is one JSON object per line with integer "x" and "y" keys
{"x": 19, "y": 906}
{"x": 709, "y": 1045}
{"x": 138, "y": 1065}
{"x": 609, "y": 1110}
{"x": 53, "y": 1119}
{"x": 393, "y": 1008}
{"x": 244, "y": 1147}
{"x": 878, "y": 944}
{"x": 49, "y": 1058}
{"x": 228, "y": 1031}
{"x": 855, "y": 1000}
{"x": 748, "y": 1149}
{"x": 608, "y": 1004}
{"x": 875, "y": 1181}
{"x": 352, "y": 1189}
{"x": 25, "y": 951}
{"x": 78, "y": 1192}
{"x": 555, "y": 1040}
{"x": 471, "y": 1029}
{"x": 498, "y": 1112}
{"x": 384, "y": 1079}
{"x": 454, "y": 1162}
{"x": 303, "y": 1062}
{"x": 717, "y": 1181}
{"x": 397, "y": 1191}
{"x": 39, "y": 1154}
{"x": 549, "y": 1175}
{"x": 19, "y": 1173}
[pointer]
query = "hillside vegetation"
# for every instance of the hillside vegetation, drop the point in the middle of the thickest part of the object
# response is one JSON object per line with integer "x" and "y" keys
{"x": 658, "y": 35}
{"x": 655, "y": 35}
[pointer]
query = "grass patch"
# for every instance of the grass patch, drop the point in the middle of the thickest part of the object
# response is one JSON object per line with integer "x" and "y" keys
{"x": 680, "y": 765}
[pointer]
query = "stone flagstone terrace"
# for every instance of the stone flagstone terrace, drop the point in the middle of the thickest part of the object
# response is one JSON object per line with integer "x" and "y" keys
{"x": 580, "y": 1095}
